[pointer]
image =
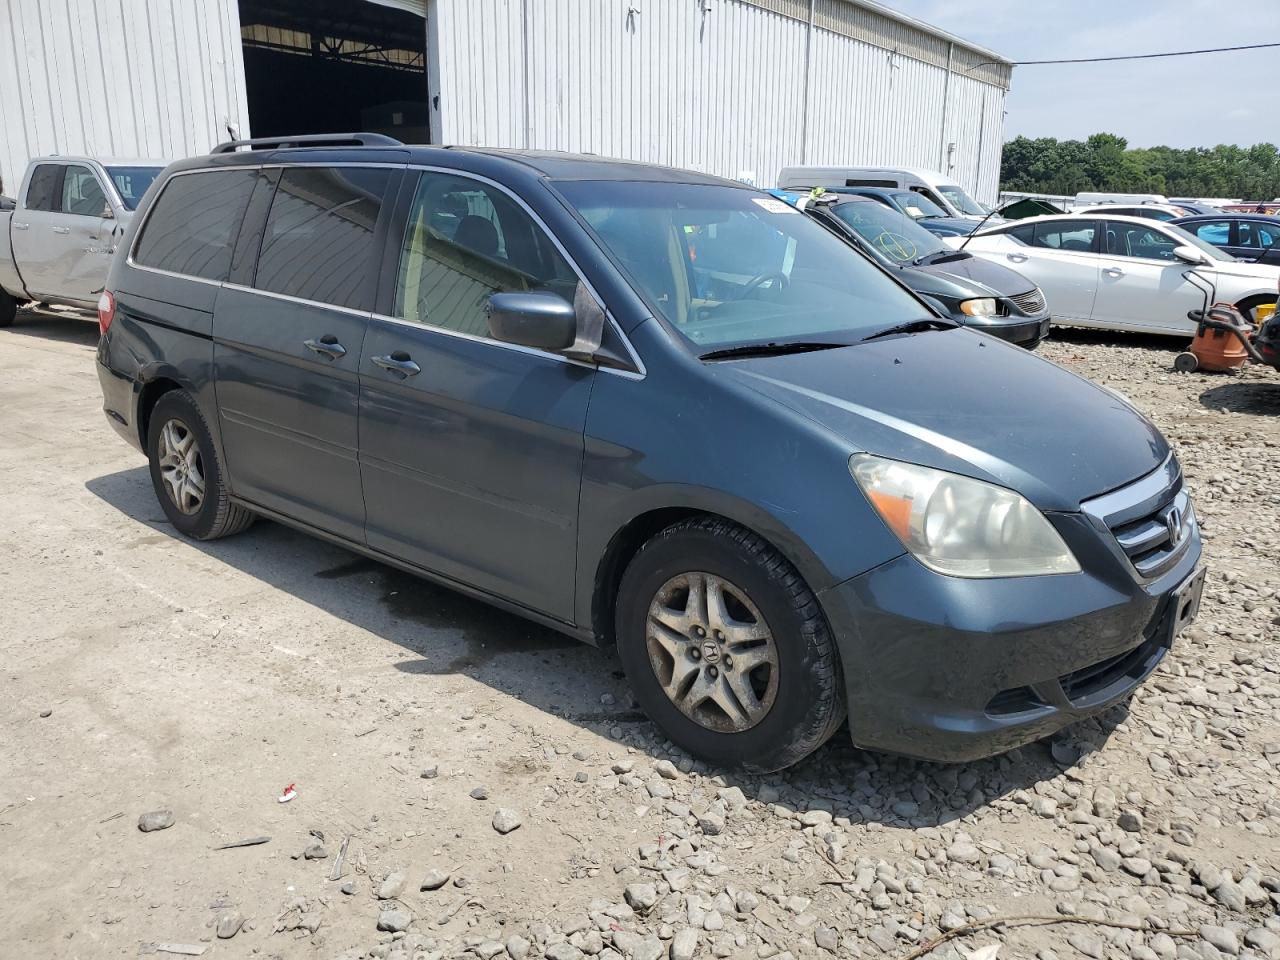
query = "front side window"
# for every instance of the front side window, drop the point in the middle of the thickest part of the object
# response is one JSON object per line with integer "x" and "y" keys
{"x": 132, "y": 182}
{"x": 465, "y": 241}
{"x": 193, "y": 224}
{"x": 1134, "y": 240}
{"x": 318, "y": 242}
{"x": 44, "y": 192}
{"x": 82, "y": 193}
{"x": 1259, "y": 236}
{"x": 1217, "y": 232}
{"x": 726, "y": 266}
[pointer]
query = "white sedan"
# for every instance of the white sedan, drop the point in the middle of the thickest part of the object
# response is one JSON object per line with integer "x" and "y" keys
{"x": 1124, "y": 273}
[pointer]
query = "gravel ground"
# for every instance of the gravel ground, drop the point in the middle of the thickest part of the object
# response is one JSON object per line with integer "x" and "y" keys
{"x": 470, "y": 785}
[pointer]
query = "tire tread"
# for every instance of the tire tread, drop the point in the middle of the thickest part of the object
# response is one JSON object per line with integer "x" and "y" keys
{"x": 816, "y": 633}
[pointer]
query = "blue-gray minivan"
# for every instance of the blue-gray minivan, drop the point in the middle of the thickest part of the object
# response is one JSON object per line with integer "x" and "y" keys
{"x": 657, "y": 410}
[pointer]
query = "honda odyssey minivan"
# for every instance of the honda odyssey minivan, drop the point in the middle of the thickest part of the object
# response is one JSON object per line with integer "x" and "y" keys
{"x": 654, "y": 409}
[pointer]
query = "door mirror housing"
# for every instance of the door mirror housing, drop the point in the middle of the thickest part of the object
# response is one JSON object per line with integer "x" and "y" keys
{"x": 107, "y": 212}
{"x": 1189, "y": 254}
{"x": 538, "y": 319}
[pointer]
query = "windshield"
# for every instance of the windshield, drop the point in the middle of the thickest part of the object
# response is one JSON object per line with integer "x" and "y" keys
{"x": 132, "y": 182}
{"x": 962, "y": 201}
{"x": 728, "y": 266}
{"x": 917, "y": 205}
{"x": 891, "y": 234}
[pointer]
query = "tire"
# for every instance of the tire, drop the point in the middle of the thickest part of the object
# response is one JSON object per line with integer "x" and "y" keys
{"x": 1247, "y": 307}
{"x": 183, "y": 461}
{"x": 8, "y": 309}
{"x": 789, "y": 707}
{"x": 1186, "y": 362}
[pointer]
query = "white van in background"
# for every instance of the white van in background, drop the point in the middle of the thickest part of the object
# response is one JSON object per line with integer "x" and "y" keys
{"x": 942, "y": 190}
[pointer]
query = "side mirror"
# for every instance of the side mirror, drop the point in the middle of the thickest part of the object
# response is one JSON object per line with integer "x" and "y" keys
{"x": 536, "y": 319}
{"x": 1189, "y": 254}
{"x": 107, "y": 212}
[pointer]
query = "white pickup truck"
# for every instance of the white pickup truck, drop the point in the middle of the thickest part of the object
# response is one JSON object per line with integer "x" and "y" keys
{"x": 57, "y": 241}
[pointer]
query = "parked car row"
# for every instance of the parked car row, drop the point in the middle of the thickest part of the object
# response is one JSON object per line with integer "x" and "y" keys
{"x": 659, "y": 410}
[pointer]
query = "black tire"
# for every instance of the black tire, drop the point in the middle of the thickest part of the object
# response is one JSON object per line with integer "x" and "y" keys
{"x": 808, "y": 703}
{"x": 1247, "y": 307}
{"x": 8, "y": 309}
{"x": 1186, "y": 362}
{"x": 214, "y": 515}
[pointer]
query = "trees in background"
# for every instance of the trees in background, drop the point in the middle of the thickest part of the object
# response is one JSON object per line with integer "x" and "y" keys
{"x": 1105, "y": 162}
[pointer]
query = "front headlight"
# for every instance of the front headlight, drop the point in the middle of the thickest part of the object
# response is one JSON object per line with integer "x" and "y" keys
{"x": 960, "y": 526}
{"x": 981, "y": 307}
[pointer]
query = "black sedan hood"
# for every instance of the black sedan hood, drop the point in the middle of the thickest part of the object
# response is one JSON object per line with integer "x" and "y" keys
{"x": 982, "y": 276}
{"x": 964, "y": 402}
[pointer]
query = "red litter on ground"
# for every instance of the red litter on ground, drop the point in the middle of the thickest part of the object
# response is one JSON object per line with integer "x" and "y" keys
{"x": 289, "y": 793}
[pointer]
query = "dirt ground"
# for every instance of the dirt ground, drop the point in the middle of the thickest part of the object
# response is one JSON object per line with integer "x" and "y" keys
{"x": 144, "y": 672}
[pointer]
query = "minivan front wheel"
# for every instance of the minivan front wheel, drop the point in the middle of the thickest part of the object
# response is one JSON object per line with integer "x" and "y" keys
{"x": 185, "y": 471}
{"x": 726, "y": 647}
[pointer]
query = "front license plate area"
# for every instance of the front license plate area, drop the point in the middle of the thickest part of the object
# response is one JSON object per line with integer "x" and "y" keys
{"x": 1184, "y": 605}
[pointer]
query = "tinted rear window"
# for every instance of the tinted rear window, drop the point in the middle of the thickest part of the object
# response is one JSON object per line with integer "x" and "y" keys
{"x": 193, "y": 225}
{"x": 45, "y": 190}
{"x": 318, "y": 244}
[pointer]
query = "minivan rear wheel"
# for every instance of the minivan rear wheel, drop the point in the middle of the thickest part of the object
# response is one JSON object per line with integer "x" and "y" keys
{"x": 726, "y": 647}
{"x": 185, "y": 471}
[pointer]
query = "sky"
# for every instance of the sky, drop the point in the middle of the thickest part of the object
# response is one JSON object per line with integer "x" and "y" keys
{"x": 1178, "y": 101}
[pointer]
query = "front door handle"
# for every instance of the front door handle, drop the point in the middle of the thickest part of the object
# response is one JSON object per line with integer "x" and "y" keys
{"x": 1017, "y": 257}
{"x": 327, "y": 346}
{"x": 20, "y": 226}
{"x": 1113, "y": 271}
{"x": 398, "y": 363}
{"x": 62, "y": 230}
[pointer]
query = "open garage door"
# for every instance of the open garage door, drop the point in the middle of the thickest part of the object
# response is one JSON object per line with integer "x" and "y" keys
{"x": 329, "y": 66}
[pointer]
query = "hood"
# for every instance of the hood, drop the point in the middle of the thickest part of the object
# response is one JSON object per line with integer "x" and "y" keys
{"x": 950, "y": 226}
{"x": 980, "y": 276}
{"x": 970, "y": 404}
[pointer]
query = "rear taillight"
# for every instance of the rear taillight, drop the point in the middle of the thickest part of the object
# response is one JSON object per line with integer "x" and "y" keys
{"x": 106, "y": 310}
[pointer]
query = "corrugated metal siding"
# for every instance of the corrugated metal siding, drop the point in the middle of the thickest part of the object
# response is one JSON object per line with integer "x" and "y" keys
{"x": 713, "y": 86}
{"x": 127, "y": 78}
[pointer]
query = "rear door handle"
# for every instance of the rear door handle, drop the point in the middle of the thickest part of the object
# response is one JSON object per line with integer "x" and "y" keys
{"x": 1113, "y": 271}
{"x": 20, "y": 226}
{"x": 398, "y": 363}
{"x": 327, "y": 346}
{"x": 1017, "y": 257}
{"x": 61, "y": 229}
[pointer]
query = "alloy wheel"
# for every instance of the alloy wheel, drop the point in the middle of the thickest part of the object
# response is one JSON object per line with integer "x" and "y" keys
{"x": 181, "y": 466}
{"x": 712, "y": 652}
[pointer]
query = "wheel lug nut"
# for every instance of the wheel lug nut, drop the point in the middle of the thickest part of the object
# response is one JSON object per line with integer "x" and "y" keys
{"x": 698, "y": 631}
{"x": 713, "y": 671}
{"x": 719, "y": 635}
{"x": 695, "y": 653}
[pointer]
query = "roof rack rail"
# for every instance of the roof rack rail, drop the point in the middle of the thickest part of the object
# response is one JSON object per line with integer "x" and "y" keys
{"x": 309, "y": 140}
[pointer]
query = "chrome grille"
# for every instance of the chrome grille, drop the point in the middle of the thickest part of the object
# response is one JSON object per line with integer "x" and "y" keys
{"x": 1152, "y": 520}
{"x": 1031, "y": 302}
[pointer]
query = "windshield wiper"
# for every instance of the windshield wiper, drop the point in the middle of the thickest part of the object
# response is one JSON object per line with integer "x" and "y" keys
{"x": 914, "y": 326}
{"x": 939, "y": 256}
{"x": 770, "y": 349}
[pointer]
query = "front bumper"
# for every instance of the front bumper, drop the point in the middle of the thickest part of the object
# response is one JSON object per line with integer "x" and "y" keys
{"x": 949, "y": 669}
{"x": 1017, "y": 329}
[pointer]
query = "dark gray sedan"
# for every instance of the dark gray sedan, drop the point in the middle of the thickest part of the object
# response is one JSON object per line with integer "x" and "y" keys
{"x": 1249, "y": 236}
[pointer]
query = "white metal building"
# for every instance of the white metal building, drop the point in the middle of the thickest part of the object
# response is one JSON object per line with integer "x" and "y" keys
{"x": 734, "y": 87}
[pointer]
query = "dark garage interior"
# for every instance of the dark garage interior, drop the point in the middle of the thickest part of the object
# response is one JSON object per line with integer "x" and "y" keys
{"x": 327, "y": 66}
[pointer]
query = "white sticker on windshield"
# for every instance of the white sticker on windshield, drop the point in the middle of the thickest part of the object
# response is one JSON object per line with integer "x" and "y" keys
{"x": 772, "y": 205}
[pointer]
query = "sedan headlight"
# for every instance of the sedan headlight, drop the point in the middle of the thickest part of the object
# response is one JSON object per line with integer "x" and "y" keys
{"x": 960, "y": 526}
{"x": 981, "y": 307}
